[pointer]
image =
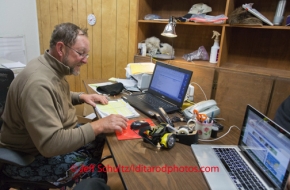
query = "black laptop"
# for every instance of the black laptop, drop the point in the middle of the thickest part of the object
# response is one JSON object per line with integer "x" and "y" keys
{"x": 167, "y": 89}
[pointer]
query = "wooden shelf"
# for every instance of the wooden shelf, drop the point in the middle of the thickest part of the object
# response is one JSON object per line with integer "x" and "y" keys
{"x": 194, "y": 62}
{"x": 248, "y": 48}
{"x": 254, "y": 60}
{"x": 182, "y": 23}
{"x": 257, "y": 70}
{"x": 261, "y": 27}
{"x": 226, "y": 25}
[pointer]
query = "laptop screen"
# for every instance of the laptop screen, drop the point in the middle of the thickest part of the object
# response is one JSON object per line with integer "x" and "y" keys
{"x": 267, "y": 145}
{"x": 170, "y": 83}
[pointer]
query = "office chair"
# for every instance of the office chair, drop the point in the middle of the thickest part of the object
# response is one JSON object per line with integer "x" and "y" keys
{"x": 23, "y": 159}
{"x": 8, "y": 156}
{"x": 6, "y": 77}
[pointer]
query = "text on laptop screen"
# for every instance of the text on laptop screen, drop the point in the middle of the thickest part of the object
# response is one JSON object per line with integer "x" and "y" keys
{"x": 265, "y": 143}
{"x": 172, "y": 83}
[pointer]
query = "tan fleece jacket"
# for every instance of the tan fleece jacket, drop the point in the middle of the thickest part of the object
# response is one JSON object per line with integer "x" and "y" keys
{"x": 39, "y": 115}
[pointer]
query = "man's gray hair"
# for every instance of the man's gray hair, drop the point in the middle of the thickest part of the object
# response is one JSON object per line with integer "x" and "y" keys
{"x": 67, "y": 33}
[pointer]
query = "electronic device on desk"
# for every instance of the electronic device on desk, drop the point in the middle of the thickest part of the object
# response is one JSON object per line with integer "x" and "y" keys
{"x": 167, "y": 89}
{"x": 138, "y": 124}
{"x": 185, "y": 134}
{"x": 143, "y": 80}
{"x": 159, "y": 136}
{"x": 208, "y": 107}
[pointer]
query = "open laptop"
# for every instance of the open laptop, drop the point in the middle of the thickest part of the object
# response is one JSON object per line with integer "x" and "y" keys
{"x": 264, "y": 147}
{"x": 167, "y": 89}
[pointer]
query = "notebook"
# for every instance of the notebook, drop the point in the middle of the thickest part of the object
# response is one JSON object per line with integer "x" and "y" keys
{"x": 167, "y": 89}
{"x": 263, "y": 146}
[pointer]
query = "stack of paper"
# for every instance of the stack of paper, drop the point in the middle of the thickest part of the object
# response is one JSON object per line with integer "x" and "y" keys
{"x": 129, "y": 84}
{"x": 13, "y": 65}
{"x": 137, "y": 68}
{"x": 117, "y": 107}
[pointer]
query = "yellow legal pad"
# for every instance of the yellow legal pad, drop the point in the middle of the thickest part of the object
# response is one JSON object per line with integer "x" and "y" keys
{"x": 118, "y": 106}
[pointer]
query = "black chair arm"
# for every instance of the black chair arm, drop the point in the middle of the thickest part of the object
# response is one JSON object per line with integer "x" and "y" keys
{"x": 16, "y": 158}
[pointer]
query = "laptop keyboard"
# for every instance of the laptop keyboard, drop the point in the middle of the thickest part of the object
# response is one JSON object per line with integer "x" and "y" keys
{"x": 154, "y": 102}
{"x": 240, "y": 172}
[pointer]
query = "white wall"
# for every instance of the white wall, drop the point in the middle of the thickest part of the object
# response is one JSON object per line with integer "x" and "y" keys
{"x": 19, "y": 17}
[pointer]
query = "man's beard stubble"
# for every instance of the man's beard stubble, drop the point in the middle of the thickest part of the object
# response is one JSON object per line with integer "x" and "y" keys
{"x": 71, "y": 69}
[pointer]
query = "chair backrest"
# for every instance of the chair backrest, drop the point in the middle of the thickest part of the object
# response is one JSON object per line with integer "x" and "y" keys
{"x": 6, "y": 77}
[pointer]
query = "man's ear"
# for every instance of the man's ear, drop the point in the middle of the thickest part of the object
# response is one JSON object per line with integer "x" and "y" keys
{"x": 60, "y": 49}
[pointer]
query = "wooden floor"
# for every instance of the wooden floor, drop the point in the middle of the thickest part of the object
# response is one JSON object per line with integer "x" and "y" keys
{"x": 114, "y": 180}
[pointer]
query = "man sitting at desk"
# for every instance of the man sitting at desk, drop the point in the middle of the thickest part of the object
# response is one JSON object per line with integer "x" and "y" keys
{"x": 282, "y": 116}
{"x": 40, "y": 119}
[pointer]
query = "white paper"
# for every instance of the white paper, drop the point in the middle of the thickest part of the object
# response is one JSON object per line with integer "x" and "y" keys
{"x": 13, "y": 65}
{"x": 91, "y": 116}
{"x": 117, "y": 107}
{"x": 127, "y": 82}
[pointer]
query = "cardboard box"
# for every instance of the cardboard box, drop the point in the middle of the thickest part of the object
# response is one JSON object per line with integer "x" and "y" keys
{"x": 82, "y": 111}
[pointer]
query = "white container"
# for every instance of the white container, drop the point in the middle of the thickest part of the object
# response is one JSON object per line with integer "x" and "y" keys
{"x": 143, "y": 49}
{"x": 190, "y": 92}
{"x": 214, "y": 52}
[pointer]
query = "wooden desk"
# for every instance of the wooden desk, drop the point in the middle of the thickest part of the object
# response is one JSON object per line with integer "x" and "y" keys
{"x": 129, "y": 154}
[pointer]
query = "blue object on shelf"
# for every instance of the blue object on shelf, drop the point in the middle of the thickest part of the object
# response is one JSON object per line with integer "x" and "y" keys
{"x": 288, "y": 20}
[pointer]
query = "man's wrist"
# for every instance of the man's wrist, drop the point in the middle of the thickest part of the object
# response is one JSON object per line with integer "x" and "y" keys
{"x": 79, "y": 96}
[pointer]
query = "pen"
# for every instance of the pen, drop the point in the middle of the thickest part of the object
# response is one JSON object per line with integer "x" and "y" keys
{"x": 211, "y": 117}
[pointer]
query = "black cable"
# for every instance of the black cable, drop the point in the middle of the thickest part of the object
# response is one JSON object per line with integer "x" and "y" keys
{"x": 178, "y": 119}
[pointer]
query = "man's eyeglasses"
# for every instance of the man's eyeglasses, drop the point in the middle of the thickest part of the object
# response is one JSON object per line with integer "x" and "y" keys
{"x": 83, "y": 55}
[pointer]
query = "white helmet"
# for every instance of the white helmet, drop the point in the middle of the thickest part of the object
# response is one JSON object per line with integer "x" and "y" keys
{"x": 199, "y": 8}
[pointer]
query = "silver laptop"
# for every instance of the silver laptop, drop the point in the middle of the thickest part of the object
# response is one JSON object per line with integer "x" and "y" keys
{"x": 264, "y": 148}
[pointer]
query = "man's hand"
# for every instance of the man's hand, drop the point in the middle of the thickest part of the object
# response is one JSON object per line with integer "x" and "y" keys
{"x": 109, "y": 124}
{"x": 91, "y": 99}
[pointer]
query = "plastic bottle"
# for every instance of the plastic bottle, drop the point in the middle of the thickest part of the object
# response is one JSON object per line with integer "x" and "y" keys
{"x": 278, "y": 18}
{"x": 143, "y": 50}
{"x": 214, "y": 52}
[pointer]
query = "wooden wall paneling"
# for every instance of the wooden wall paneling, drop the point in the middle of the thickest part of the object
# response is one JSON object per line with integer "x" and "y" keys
{"x": 132, "y": 30}
{"x": 96, "y": 40}
{"x": 235, "y": 90}
{"x": 74, "y": 86}
{"x": 67, "y": 16}
{"x": 81, "y": 21}
{"x": 109, "y": 38}
{"x": 67, "y": 11}
{"x": 110, "y": 51}
{"x": 281, "y": 91}
{"x": 122, "y": 37}
{"x": 53, "y": 9}
{"x": 60, "y": 11}
{"x": 202, "y": 79}
{"x": 44, "y": 24}
{"x": 89, "y": 64}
